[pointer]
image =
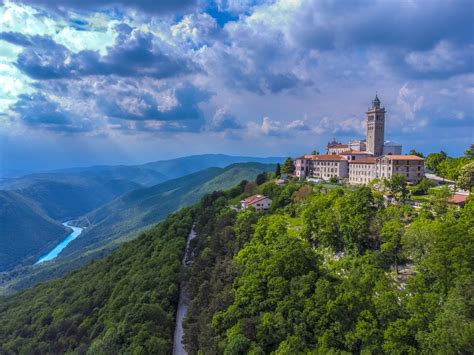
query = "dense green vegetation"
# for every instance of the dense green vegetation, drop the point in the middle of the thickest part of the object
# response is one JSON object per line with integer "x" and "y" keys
{"x": 55, "y": 197}
{"x": 64, "y": 197}
{"x": 327, "y": 270}
{"x": 452, "y": 168}
{"x": 123, "y": 303}
{"x": 19, "y": 243}
{"x": 112, "y": 224}
{"x": 331, "y": 272}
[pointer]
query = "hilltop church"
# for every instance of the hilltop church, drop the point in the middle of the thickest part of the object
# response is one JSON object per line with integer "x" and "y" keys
{"x": 361, "y": 161}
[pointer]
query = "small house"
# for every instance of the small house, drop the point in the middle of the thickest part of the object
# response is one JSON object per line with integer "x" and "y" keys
{"x": 259, "y": 202}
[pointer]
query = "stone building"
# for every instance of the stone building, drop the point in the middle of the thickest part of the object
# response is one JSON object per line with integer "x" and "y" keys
{"x": 375, "y": 128}
{"x": 410, "y": 166}
{"x": 363, "y": 160}
{"x": 321, "y": 166}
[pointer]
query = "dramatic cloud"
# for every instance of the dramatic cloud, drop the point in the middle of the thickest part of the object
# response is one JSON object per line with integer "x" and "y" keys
{"x": 153, "y": 6}
{"x": 40, "y": 111}
{"x": 239, "y": 76}
{"x": 135, "y": 53}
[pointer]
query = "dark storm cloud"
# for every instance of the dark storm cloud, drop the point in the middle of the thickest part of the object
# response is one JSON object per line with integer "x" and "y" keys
{"x": 134, "y": 54}
{"x": 148, "y": 6}
{"x": 411, "y": 25}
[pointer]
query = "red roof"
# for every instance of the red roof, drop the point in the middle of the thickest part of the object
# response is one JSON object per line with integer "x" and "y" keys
{"x": 403, "y": 157}
{"x": 332, "y": 157}
{"x": 457, "y": 198}
{"x": 254, "y": 199}
{"x": 328, "y": 157}
{"x": 368, "y": 160}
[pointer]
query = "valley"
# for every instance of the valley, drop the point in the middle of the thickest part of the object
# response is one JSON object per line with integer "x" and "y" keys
{"x": 76, "y": 232}
{"x": 110, "y": 212}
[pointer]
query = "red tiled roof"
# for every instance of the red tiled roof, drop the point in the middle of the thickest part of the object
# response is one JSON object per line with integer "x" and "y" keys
{"x": 403, "y": 157}
{"x": 307, "y": 156}
{"x": 457, "y": 198}
{"x": 368, "y": 160}
{"x": 329, "y": 157}
{"x": 254, "y": 199}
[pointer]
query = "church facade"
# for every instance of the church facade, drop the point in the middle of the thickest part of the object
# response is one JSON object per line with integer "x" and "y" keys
{"x": 361, "y": 161}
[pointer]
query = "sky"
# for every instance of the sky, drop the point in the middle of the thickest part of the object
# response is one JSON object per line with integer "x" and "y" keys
{"x": 117, "y": 82}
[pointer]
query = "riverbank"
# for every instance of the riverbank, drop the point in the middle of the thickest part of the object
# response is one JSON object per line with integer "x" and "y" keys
{"x": 76, "y": 231}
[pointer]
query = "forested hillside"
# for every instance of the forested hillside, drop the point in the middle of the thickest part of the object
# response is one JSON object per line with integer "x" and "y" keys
{"x": 120, "y": 220}
{"x": 123, "y": 303}
{"x": 27, "y": 232}
{"x": 328, "y": 270}
{"x": 332, "y": 271}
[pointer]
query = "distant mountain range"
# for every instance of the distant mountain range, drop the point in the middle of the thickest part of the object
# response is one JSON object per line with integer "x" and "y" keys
{"x": 147, "y": 174}
{"x": 109, "y": 201}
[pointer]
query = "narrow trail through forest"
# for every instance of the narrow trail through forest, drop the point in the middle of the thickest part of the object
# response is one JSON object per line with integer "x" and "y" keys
{"x": 178, "y": 348}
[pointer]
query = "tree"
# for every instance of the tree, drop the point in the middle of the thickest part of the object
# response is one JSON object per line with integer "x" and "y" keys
{"x": 470, "y": 152}
{"x": 303, "y": 193}
{"x": 278, "y": 170}
{"x": 398, "y": 186}
{"x": 423, "y": 186}
{"x": 440, "y": 199}
{"x": 414, "y": 152}
{"x": 261, "y": 178}
{"x": 315, "y": 152}
{"x": 466, "y": 177}
{"x": 391, "y": 247}
{"x": 288, "y": 167}
{"x": 434, "y": 159}
{"x": 250, "y": 187}
{"x": 333, "y": 180}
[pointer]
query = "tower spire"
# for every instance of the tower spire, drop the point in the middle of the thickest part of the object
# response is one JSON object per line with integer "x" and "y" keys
{"x": 376, "y": 101}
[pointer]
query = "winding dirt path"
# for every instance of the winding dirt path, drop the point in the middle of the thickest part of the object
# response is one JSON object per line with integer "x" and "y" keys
{"x": 178, "y": 348}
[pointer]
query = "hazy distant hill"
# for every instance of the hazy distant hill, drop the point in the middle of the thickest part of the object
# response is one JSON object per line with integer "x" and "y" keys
{"x": 119, "y": 220}
{"x": 69, "y": 193}
{"x": 66, "y": 196}
{"x": 26, "y": 231}
{"x": 142, "y": 207}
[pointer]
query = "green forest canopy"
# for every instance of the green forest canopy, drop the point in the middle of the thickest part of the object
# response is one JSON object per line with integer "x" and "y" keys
{"x": 325, "y": 271}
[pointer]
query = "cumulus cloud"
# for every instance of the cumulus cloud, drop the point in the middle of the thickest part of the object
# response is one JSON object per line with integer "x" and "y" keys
{"x": 134, "y": 70}
{"x": 224, "y": 120}
{"x": 135, "y": 53}
{"x": 275, "y": 128}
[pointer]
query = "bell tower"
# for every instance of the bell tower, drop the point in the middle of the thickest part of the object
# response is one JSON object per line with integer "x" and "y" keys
{"x": 375, "y": 128}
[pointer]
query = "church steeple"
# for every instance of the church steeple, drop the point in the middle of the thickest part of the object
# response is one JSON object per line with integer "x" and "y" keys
{"x": 375, "y": 127}
{"x": 376, "y": 102}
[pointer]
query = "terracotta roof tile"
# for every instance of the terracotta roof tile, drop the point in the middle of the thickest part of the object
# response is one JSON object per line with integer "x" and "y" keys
{"x": 253, "y": 199}
{"x": 403, "y": 157}
{"x": 368, "y": 160}
{"x": 457, "y": 198}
